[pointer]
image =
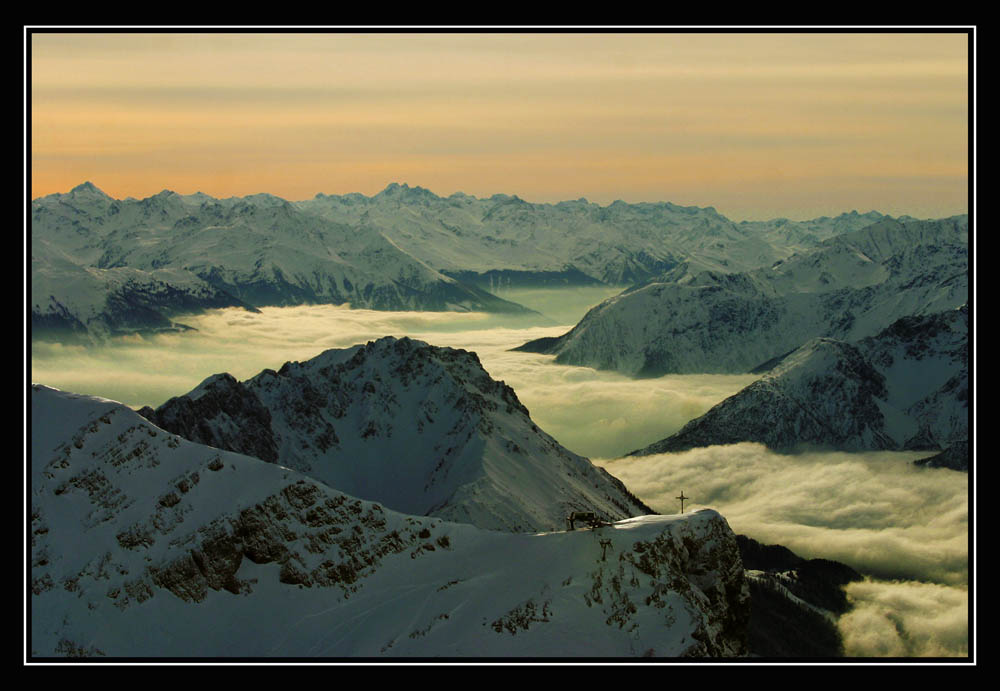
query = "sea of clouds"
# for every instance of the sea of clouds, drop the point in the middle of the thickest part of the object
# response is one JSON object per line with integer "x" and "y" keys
{"x": 905, "y": 527}
{"x": 595, "y": 414}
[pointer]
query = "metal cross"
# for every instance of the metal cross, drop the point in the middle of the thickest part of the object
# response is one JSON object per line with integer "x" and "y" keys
{"x": 682, "y": 498}
{"x": 604, "y": 546}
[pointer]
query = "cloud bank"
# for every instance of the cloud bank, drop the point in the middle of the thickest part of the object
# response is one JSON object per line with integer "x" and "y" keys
{"x": 874, "y": 511}
{"x": 592, "y": 413}
{"x": 905, "y": 527}
{"x": 906, "y": 619}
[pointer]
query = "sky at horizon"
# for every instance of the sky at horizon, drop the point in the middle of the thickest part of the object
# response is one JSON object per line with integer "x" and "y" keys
{"x": 758, "y": 125}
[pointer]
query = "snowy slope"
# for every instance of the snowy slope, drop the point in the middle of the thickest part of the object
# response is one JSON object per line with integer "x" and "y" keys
{"x": 90, "y": 302}
{"x": 905, "y": 388}
{"x": 421, "y": 429}
{"x": 847, "y": 288}
{"x": 145, "y": 545}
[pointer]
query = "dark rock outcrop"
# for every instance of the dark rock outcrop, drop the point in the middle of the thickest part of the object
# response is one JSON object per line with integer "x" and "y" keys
{"x": 794, "y": 601}
{"x": 220, "y": 412}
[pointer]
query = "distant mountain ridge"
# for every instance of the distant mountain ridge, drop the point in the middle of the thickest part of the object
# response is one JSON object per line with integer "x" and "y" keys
{"x": 401, "y": 249}
{"x": 505, "y": 238}
{"x": 253, "y": 252}
{"x": 848, "y": 287}
{"x": 421, "y": 429}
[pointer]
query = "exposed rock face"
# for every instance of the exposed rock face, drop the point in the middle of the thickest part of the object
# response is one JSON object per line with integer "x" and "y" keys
{"x": 905, "y": 388}
{"x": 289, "y": 528}
{"x": 423, "y": 430}
{"x": 710, "y": 555}
{"x": 144, "y": 544}
{"x": 926, "y": 361}
{"x": 164, "y": 528}
{"x": 221, "y": 412}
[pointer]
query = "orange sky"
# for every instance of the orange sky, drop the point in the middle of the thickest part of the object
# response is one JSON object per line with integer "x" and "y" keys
{"x": 757, "y": 125}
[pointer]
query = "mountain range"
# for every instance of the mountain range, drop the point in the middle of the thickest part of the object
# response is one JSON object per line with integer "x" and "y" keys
{"x": 103, "y": 266}
{"x": 392, "y": 499}
{"x": 149, "y": 543}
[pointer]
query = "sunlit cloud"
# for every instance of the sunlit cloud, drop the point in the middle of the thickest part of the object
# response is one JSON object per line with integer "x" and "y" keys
{"x": 874, "y": 511}
{"x": 905, "y": 619}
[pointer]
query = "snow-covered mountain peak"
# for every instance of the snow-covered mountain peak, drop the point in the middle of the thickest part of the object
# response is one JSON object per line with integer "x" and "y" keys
{"x": 404, "y": 193}
{"x": 419, "y": 428}
{"x": 88, "y": 189}
{"x": 846, "y": 287}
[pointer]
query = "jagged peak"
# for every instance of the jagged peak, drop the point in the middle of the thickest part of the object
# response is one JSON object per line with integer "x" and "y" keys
{"x": 385, "y": 347}
{"x": 395, "y": 189}
{"x": 88, "y": 188}
{"x": 162, "y": 195}
{"x": 223, "y": 380}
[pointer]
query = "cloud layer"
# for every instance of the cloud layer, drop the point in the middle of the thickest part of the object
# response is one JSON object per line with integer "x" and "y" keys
{"x": 592, "y": 413}
{"x": 875, "y": 511}
{"x": 906, "y": 619}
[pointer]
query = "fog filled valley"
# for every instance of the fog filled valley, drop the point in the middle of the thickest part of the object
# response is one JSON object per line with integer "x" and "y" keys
{"x": 905, "y": 528}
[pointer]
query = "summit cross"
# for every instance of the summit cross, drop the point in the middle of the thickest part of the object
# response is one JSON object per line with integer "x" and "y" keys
{"x": 682, "y": 498}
